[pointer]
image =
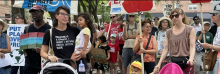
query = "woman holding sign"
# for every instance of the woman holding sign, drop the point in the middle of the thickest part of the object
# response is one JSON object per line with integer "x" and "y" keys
{"x": 5, "y": 47}
{"x": 149, "y": 47}
{"x": 180, "y": 42}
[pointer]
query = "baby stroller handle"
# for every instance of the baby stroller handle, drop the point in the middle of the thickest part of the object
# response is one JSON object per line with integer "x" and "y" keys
{"x": 61, "y": 60}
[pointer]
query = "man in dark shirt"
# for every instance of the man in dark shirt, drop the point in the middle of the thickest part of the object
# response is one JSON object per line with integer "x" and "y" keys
{"x": 32, "y": 56}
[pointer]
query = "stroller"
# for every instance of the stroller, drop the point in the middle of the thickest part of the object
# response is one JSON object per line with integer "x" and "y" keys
{"x": 59, "y": 67}
{"x": 173, "y": 68}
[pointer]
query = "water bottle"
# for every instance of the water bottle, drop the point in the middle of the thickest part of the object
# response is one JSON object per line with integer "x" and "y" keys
{"x": 81, "y": 67}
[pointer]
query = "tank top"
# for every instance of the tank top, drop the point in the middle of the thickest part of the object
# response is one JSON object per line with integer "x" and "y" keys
{"x": 179, "y": 45}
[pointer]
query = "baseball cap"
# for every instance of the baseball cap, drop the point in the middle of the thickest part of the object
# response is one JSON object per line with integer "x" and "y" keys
{"x": 216, "y": 10}
{"x": 137, "y": 64}
{"x": 206, "y": 22}
{"x": 113, "y": 35}
{"x": 36, "y": 7}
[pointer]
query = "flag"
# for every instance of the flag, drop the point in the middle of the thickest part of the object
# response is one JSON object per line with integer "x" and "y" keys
{"x": 48, "y": 5}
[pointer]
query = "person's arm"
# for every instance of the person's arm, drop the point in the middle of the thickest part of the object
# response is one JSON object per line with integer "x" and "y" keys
{"x": 133, "y": 36}
{"x": 164, "y": 53}
{"x": 94, "y": 37}
{"x": 137, "y": 42}
{"x": 108, "y": 55}
{"x": 8, "y": 50}
{"x": 192, "y": 45}
{"x": 154, "y": 49}
{"x": 200, "y": 35}
{"x": 124, "y": 36}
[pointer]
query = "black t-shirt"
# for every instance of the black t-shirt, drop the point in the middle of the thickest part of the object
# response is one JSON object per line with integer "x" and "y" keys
{"x": 63, "y": 41}
{"x": 213, "y": 30}
{"x": 33, "y": 58}
{"x": 154, "y": 29}
{"x": 106, "y": 48}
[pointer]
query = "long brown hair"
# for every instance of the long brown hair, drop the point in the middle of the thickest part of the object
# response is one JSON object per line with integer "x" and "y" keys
{"x": 180, "y": 11}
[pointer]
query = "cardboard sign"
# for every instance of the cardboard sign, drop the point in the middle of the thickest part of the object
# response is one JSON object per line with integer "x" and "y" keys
{"x": 167, "y": 9}
{"x": 31, "y": 40}
{"x": 99, "y": 55}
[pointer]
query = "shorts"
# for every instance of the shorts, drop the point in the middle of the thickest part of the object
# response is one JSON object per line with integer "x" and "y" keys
{"x": 101, "y": 66}
{"x": 199, "y": 58}
{"x": 113, "y": 64}
{"x": 121, "y": 48}
{"x": 127, "y": 54}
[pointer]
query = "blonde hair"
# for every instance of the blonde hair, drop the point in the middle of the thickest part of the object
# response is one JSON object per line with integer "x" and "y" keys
{"x": 180, "y": 11}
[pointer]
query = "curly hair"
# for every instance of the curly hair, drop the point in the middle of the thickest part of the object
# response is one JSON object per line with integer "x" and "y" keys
{"x": 102, "y": 38}
{"x": 88, "y": 20}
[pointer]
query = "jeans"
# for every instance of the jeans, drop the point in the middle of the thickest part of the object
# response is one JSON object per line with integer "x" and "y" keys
{"x": 215, "y": 69}
{"x": 4, "y": 70}
{"x": 14, "y": 69}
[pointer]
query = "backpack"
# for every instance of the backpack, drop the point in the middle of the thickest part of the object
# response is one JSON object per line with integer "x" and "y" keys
{"x": 132, "y": 29}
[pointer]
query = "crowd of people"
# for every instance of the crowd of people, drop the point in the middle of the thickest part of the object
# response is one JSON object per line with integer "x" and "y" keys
{"x": 165, "y": 40}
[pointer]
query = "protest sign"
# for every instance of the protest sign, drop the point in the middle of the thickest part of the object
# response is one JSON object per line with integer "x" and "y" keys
{"x": 99, "y": 55}
{"x": 115, "y": 7}
{"x": 31, "y": 40}
{"x": 14, "y": 32}
{"x": 48, "y": 5}
{"x": 167, "y": 8}
{"x": 6, "y": 61}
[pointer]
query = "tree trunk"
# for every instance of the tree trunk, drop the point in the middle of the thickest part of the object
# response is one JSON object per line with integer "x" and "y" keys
{"x": 95, "y": 17}
{"x": 15, "y": 11}
{"x": 83, "y": 5}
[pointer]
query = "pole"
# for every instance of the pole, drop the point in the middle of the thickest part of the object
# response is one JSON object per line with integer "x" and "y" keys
{"x": 172, "y": 5}
{"x": 45, "y": 16}
{"x": 103, "y": 14}
{"x": 202, "y": 23}
{"x": 140, "y": 29}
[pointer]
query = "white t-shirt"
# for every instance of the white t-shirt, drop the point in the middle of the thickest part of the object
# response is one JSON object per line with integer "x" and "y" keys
{"x": 216, "y": 41}
{"x": 197, "y": 28}
{"x": 80, "y": 39}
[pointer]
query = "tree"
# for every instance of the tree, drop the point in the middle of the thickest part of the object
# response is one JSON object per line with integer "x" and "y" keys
{"x": 15, "y": 11}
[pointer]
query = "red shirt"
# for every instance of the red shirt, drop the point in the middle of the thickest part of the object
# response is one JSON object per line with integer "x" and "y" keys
{"x": 120, "y": 34}
{"x": 113, "y": 30}
{"x": 113, "y": 52}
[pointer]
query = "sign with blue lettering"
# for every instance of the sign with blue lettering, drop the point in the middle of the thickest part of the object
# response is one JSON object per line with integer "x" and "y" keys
{"x": 48, "y": 5}
{"x": 14, "y": 32}
{"x": 115, "y": 7}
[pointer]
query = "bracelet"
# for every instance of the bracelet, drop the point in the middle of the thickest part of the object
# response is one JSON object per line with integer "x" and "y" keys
{"x": 48, "y": 56}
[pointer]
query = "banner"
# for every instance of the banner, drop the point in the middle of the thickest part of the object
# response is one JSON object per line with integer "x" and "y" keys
{"x": 14, "y": 32}
{"x": 48, "y": 5}
{"x": 215, "y": 5}
{"x": 167, "y": 9}
{"x": 99, "y": 55}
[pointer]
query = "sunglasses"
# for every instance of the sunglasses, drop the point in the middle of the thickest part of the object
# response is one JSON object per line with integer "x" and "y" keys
{"x": 176, "y": 16}
{"x": 131, "y": 16}
{"x": 195, "y": 19}
{"x": 112, "y": 17}
{"x": 213, "y": 14}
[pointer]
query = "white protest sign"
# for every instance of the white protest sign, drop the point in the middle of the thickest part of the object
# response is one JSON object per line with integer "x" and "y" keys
{"x": 115, "y": 7}
{"x": 14, "y": 32}
{"x": 5, "y": 61}
{"x": 167, "y": 8}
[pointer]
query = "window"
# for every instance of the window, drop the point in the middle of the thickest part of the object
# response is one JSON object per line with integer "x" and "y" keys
{"x": 192, "y": 7}
{"x": 5, "y": 2}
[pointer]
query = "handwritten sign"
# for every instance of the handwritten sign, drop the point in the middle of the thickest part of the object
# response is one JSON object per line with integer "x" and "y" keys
{"x": 167, "y": 8}
{"x": 14, "y": 32}
{"x": 99, "y": 55}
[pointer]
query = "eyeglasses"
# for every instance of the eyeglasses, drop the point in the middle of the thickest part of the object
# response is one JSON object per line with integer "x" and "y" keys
{"x": 195, "y": 19}
{"x": 34, "y": 11}
{"x": 164, "y": 22}
{"x": 112, "y": 17}
{"x": 131, "y": 16}
{"x": 176, "y": 16}
{"x": 17, "y": 18}
{"x": 63, "y": 14}
{"x": 213, "y": 14}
